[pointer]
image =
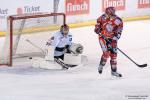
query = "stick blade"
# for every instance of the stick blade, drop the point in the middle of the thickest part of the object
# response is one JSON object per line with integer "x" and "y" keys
{"x": 144, "y": 65}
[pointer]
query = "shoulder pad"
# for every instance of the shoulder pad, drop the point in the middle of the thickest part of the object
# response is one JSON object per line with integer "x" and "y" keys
{"x": 104, "y": 17}
{"x": 118, "y": 21}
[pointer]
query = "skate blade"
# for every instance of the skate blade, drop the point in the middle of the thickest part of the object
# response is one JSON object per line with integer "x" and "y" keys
{"x": 116, "y": 77}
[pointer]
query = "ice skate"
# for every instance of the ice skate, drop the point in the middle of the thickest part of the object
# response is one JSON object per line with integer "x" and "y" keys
{"x": 116, "y": 74}
{"x": 100, "y": 69}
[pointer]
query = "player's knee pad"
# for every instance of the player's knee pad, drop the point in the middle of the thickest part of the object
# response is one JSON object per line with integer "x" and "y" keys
{"x": 103, "y": 61}
{"x": 113, "y": 56}
{"x": 105, "y": 55}
{"x": 104, "y": 58}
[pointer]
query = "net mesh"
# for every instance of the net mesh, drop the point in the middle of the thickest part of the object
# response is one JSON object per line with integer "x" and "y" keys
{"x": 38, "y": 30}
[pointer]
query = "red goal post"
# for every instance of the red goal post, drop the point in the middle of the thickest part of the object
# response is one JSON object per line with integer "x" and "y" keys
{"x": 27, "y": 23}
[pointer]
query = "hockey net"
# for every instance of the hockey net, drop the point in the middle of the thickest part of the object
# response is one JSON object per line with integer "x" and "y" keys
{"x": 26, "y": 28}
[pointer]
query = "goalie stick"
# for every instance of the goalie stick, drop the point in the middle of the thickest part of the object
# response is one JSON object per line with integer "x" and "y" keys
{"x": 141, "y": 66}
{"x": 60, "y": 62}
{"x": 36, "y": 46}
{"x": 56, "y": 60}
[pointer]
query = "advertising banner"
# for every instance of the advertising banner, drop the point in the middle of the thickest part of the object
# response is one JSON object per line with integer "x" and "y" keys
{"x": 8, "y": 7}
{"x": 118, "y": 4}
{"x": 76, "y": 10}
{"x": 75, "y": 7}
{"x": 143, "y": 3}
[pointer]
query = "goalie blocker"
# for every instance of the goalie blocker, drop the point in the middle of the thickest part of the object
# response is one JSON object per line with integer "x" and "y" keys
{"x": 70, "y": 59}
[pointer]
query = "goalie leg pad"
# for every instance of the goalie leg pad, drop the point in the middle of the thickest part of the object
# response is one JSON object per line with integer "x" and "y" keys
{"x": 72, "y": 59}
{"x": 49, "y": 55}
{"x": 44, "y": 64}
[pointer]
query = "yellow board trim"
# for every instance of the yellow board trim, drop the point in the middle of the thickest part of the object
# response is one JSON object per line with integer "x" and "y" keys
{"x": 93, "y": 22}
{"x": 2, "y": 33}
{"x": 75, "y": 25}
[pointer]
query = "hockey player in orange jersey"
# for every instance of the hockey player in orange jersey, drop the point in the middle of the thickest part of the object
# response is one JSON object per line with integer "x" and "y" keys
{"x": 109, "y": 26}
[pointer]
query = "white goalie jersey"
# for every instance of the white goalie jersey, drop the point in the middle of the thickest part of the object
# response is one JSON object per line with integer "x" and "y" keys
{"x": 58, "y": 40}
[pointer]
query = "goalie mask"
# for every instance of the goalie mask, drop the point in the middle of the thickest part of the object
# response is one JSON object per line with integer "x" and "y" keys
{"x": 64, "y": 29}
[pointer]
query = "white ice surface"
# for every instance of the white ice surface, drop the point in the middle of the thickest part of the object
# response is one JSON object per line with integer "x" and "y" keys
{"x": 22, "y": 82}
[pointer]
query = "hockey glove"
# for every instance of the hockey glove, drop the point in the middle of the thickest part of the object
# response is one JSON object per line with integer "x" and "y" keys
{"x": 79, "y": 50}
{"x": 108, "y": 41}
{"x": 117, "y": 36}
{"x": 97, "y": 29}
{"x": 48, "y": 43}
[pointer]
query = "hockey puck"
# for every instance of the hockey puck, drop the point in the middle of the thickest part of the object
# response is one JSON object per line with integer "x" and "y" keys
{"x": 30, "y": 57}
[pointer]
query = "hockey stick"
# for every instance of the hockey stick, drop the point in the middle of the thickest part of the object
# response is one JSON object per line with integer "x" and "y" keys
{"x": 56, "y": 60}
{"x": 141, "y": 66}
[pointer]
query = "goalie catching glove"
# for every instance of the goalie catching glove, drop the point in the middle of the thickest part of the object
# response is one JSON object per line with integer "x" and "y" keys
{"x": 76, "y": 48}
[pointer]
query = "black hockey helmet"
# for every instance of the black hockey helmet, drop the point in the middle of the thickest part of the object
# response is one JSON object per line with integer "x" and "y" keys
{"x": 64, "y": 29}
